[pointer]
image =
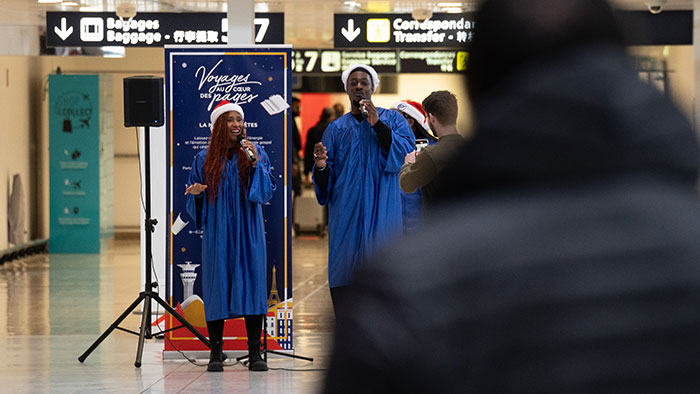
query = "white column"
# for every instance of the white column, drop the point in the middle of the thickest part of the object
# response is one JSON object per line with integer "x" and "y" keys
{"x": 240, "y": 15}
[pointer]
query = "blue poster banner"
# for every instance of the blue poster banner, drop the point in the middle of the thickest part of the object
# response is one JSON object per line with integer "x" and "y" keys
{"x": 74, "y": 164}
{"x": 259, "y": 80}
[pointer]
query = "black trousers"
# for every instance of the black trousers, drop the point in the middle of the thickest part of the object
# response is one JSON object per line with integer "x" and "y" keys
{"x": 338, "y": 295}
{"x": 253, "y": 328}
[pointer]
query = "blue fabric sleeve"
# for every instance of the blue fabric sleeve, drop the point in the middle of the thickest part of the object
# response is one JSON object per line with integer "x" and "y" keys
{"x": 196, "y": 205}
{"x": 261, "y": 185}
{"x": 402, "y": 141}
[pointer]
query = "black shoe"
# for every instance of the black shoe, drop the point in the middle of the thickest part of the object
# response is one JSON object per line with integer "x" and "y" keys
{"x": 216, "y": 359}
{"x": 255, "y": 361}
{"x": 258, "y": 365}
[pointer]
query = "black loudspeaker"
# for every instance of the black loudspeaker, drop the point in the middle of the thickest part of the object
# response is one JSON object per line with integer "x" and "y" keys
{"x": 143, "y": 101}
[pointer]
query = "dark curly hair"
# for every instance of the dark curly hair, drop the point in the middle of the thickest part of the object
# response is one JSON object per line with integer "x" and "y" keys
{"x": 214, "y": 168}
{"x": 443, "y": 105}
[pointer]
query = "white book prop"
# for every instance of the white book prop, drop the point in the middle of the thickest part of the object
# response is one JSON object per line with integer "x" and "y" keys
{"x": 178, "y": 225}
{"x": 275, "y": 104}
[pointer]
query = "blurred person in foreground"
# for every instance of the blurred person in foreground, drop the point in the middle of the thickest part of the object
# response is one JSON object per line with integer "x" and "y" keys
{"x": 420, "y": 168}
{"x": 356, "y": 173}
{"x": 412, "y": 203}
{"x": 565, "y": 258}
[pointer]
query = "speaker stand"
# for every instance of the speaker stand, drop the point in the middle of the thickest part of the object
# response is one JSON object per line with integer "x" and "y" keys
{"x": 147, "y": 294}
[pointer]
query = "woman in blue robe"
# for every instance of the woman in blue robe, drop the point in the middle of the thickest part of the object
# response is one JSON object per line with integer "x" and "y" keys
{"x": 225, "y": 194}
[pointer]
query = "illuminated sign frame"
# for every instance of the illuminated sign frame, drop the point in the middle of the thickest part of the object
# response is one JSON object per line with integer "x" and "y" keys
{"x": 152, "y": 29}
{"x": 387, "y": 61}
{"x": 442, "y": 30}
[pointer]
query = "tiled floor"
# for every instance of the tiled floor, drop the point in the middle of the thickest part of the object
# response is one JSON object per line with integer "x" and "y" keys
{"x": 52, "y": 308}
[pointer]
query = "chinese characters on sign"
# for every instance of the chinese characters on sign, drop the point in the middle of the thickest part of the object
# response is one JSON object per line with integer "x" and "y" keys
{"x": 152, "y": 29}
{"x": 442, "y": 30}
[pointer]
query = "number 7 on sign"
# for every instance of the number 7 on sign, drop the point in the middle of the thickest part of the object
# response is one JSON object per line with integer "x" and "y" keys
{"x": 313, "y": 57}
{"x": 264, "y": 23}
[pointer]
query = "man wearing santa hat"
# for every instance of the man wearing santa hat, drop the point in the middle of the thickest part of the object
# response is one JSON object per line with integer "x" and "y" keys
{"x": 420, "y": 168}
{"x": 356, "y": 167}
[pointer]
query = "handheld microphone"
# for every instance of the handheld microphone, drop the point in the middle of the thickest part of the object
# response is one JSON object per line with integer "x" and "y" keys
{"x": 247, "y": 151}
{"x": 363, "y": 109}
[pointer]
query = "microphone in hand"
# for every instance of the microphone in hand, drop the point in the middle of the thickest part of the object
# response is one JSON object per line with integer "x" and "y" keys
{"x": 247, "y": 150}
{"x": 363, "y": 109}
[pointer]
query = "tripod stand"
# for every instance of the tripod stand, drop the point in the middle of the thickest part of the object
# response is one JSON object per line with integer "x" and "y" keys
{"x": 147, "y": 294}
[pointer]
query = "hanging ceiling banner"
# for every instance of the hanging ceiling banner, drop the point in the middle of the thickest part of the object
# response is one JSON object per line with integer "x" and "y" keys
{"x": 448, "y": 30}
{"x": 389, "y": 61}
{"x": 152, "y": 29}
{"x": 671, "y": 27}
{"x": 442, "y": 30}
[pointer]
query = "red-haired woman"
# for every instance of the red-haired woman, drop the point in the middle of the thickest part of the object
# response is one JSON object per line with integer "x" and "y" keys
{"x": 225, "y": 194}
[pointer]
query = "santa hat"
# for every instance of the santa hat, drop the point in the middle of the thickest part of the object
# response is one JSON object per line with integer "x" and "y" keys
{"x": 414, "y": 110}
{"x": 221, "y": 108}
{"x": 369, "y": 70}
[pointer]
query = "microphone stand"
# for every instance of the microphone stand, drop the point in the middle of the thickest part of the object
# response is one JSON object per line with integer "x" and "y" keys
{"x": 265, "y": 351}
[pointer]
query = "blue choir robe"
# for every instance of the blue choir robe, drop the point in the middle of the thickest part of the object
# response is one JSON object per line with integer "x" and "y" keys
{"x": 234, "y": 257}
{"x": 363, "y": 193}
{"x": 412, "y": 207}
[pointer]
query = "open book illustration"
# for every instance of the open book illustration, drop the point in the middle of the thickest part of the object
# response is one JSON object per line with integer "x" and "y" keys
{"x": 275, "y": 104}
{"x": 178, "y": 225}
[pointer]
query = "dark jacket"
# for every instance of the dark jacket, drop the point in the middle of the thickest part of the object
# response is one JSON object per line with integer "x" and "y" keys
{"x": 566, "y": 258}
{"x": 313, "y": 136}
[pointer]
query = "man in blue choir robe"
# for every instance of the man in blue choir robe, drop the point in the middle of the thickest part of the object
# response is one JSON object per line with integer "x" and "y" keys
{"x": 356, "y": 168}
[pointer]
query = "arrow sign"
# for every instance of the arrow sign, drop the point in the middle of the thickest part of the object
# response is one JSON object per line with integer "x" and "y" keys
{"x": 63, "y": 32}
{"x": 155, "y": 29}
{"x": 351, "y": 32}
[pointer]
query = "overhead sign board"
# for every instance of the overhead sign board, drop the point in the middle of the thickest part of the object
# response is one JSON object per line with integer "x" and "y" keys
{"x": 672, "y": 27}
{"x": 446, "y": 30}
{"x": 152, "y": 29}
{"x": 390, "y": 61}
{"x": 442, "y": 30}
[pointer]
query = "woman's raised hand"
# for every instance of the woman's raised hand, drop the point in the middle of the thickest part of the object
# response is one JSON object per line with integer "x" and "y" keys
{"x": 195, "y": 189}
